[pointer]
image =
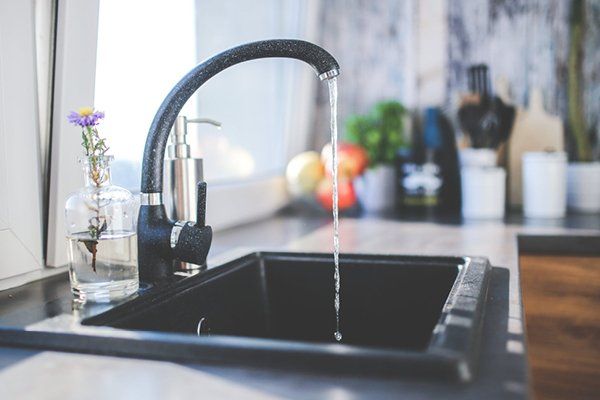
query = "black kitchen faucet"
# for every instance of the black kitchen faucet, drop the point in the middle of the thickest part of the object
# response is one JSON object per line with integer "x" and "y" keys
{"x": 160, "y": 240}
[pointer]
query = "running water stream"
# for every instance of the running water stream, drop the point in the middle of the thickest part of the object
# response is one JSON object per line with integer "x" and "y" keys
{"x": 332, "y": 83}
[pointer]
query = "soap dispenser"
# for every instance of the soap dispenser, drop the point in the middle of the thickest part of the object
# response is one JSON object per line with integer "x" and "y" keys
{"x": 182, "y": 174}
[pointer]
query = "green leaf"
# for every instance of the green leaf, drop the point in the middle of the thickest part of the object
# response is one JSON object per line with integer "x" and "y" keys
{"x": 381, "y": 132}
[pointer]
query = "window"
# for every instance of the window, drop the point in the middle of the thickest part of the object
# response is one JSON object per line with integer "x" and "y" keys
{"x": 144, "y": 48}
{"x": 124, "y": 57}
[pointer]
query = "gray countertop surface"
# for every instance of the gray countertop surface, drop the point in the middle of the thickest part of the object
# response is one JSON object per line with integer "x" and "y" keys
{"x": 503, "y": 367}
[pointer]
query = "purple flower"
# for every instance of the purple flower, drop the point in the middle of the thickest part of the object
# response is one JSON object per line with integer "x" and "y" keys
{"x": 85, "y": 116}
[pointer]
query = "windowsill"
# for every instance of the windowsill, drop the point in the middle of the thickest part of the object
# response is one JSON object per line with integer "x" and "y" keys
{"x": 19, "y": 280}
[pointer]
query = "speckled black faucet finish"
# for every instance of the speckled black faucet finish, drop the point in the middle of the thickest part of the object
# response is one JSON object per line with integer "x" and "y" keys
{"x": 158, "y": 244}
{"x": 152, "y": 168}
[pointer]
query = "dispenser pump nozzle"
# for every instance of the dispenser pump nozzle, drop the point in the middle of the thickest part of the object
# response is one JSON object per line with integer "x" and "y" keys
{"x": 178, "y": 146}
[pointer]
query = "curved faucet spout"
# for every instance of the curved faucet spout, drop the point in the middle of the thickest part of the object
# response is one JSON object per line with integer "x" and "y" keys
{"x": 152, "y": 169}
{"x": 160, "y": 240}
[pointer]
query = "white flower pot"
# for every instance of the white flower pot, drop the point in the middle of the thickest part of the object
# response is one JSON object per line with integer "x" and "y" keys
{"x": 376, "y": 188}
{"x": 583, "y": 187}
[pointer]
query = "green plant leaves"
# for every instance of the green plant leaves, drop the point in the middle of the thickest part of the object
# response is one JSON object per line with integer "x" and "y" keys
{"x": 380, "y": 132}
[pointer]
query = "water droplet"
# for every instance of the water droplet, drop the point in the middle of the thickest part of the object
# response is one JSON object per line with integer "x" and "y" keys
{"x": 338, "y": 336}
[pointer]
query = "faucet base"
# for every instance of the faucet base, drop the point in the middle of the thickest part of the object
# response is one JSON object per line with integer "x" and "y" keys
{"x": 157, "y": 252}
{"x": 155, "y": 256}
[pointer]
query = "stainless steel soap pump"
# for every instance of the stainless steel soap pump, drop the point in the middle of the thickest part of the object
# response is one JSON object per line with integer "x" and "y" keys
{"x": 182, "y": 175}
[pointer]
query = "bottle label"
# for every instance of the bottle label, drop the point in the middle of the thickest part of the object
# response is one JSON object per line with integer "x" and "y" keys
{"x": 421, "y": 184}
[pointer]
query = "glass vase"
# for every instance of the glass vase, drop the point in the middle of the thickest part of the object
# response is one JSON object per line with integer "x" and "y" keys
{"x": 101, "y": 233}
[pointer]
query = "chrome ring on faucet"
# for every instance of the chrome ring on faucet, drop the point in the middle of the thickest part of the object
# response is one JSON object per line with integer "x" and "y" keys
{"x": 329, "y": 74}
{"x": 151, "y": 199}
{"x": 175, "y": 232}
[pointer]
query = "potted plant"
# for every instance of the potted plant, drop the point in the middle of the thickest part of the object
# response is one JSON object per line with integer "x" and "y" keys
{"x": 381, "y": 134}
{"x": 583, "y": 173}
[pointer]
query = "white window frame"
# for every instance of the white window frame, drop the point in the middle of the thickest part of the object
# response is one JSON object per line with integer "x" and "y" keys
{"x": 21, "y": 236}
{"x": 74, "y": 72}
{"x": 228, "y": 204}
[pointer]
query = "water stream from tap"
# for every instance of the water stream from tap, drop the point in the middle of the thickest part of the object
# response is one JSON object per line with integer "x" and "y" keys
{"x": 333, "y": 93}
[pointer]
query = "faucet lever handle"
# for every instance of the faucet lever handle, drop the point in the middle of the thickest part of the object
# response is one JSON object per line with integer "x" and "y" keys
{"x": 201, "y": 204}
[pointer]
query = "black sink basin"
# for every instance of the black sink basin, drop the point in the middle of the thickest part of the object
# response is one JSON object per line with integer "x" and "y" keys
{"x": 385, "y": 303}
{"x": 419, "y": 315}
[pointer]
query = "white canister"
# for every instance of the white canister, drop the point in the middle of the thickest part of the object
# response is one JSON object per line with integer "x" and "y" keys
{"x": 545, "y": 184}
{"x": 583, "y": 187}
{"x": 470, "y": 157}
{"x": 483, "y": 192}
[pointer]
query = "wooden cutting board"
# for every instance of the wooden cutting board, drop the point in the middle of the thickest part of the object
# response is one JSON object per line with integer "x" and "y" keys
{"x": 561, "y": 297}
{"x": 534, "y": 130}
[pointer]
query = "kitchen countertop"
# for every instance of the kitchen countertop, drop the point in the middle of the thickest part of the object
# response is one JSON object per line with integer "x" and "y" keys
{"x": 503, "y": 367}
